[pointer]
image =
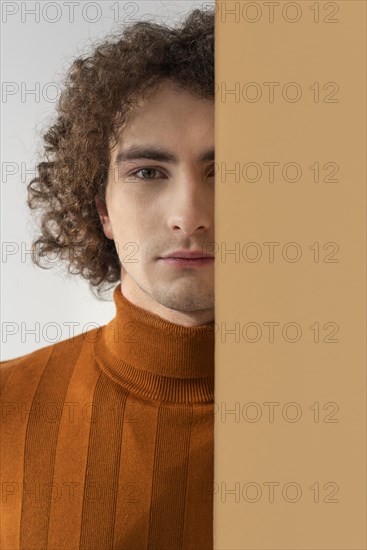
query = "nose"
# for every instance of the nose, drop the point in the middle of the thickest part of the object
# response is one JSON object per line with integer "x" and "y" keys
{"x": 191, "y": 206}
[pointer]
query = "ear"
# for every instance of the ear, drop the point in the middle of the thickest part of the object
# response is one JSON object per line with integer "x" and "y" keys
{"x": 103, "y": 216}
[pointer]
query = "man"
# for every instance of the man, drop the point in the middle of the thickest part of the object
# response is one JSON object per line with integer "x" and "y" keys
{"x": 107, "y": 437}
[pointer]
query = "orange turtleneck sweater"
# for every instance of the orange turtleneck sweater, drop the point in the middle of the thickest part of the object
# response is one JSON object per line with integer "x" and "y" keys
{"x": 107, "y": 438}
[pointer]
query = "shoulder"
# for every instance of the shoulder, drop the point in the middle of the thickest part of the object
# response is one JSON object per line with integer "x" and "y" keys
{"x": 22, "y": 369}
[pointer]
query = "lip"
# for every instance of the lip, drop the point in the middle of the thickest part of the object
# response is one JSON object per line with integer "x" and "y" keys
{"x": 186, "y": 254}
{"x": 188, "y": 262}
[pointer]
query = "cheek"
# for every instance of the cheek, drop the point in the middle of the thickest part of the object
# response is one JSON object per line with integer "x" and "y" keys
{"x": 135, "y": 215}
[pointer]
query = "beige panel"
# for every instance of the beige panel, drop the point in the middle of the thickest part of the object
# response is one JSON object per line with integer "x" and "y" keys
{"x": 290, "y": 419}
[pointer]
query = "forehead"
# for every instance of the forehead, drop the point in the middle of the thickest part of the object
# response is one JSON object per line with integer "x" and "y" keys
{"x": 170, "y": 112}
{"x": 166, "y": 94}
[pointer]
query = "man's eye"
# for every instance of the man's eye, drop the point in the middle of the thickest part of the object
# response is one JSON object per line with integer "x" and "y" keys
{"x": 149, "y": 170}
{"x": 210, "y": 171}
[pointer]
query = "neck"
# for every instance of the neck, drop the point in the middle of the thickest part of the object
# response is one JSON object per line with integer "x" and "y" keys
{"x": 156, "y": 358}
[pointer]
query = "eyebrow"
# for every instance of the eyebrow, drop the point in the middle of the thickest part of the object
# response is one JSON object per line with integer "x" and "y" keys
{"x": 158, "y": 154}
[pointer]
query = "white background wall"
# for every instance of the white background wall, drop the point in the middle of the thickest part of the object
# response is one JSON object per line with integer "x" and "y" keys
{"x": 39, "y": 40}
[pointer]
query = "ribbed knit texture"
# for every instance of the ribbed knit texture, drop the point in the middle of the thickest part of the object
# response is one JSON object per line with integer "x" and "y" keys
{"x": 107, "y": 438}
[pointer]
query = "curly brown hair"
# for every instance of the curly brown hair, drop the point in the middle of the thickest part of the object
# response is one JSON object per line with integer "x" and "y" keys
{"x": 100, "y": 89}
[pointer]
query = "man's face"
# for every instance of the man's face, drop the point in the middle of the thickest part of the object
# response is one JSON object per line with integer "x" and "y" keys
{"x": 156, "y": 206}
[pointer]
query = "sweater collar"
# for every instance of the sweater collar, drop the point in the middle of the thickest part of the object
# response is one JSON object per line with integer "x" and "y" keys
{"x": 155, "y": 358}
